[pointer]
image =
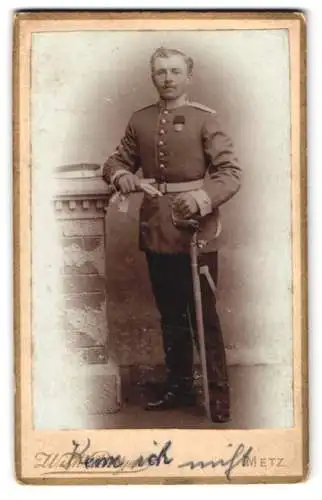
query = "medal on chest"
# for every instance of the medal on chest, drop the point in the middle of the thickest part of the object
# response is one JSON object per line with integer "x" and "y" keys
{"x": 178, "y": 123}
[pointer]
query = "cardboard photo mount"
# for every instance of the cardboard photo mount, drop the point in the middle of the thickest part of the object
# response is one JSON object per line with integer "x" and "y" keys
{"x": 101, "y": 456}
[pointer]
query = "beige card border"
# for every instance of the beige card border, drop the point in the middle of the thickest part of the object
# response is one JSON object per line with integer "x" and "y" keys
{"x": 291, "y": 444}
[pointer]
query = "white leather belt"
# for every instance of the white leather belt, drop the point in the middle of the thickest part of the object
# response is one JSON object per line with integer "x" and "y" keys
{"x": 174, "y": 187}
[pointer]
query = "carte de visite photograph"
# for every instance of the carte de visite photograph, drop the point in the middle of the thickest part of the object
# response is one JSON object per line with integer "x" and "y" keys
{"x": 160, "y": 246}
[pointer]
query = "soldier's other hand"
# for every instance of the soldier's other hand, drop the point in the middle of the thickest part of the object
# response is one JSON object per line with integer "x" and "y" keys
{"x": 185, "y": 206}
{"x": 128, "y": 183}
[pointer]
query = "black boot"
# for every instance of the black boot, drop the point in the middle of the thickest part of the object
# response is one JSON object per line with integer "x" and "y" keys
{"x": 176, "y": 396}
{"x": 171, "y": 400}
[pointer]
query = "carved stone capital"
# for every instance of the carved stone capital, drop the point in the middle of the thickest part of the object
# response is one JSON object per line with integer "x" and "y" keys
{"x": 80, "y": 192}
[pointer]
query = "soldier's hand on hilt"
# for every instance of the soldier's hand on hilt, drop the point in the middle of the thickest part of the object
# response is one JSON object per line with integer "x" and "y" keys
{"x": 185, "y": 206}
{"x": 127, "y": 183}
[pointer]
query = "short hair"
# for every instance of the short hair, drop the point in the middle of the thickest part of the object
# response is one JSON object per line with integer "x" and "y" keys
{"x": 164, "y": 52}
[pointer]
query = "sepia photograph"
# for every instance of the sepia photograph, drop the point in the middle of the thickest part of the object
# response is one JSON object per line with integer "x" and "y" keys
{"x": 160, "y": 294}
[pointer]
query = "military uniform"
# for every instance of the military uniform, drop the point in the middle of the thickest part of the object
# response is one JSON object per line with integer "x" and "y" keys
{"x": 178, "y": 148}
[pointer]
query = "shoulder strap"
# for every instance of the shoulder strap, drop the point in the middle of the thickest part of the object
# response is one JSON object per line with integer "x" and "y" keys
{"x": 201, "y": 106}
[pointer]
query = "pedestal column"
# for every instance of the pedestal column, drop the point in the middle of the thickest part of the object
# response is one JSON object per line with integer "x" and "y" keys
{"x": 79, "y": 205}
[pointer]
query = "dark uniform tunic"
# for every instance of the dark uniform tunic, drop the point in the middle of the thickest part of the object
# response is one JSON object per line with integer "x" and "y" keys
{"x": 176, "y": 146}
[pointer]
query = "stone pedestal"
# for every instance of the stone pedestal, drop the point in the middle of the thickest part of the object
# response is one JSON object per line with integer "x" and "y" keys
{"x": 79, "y": 205}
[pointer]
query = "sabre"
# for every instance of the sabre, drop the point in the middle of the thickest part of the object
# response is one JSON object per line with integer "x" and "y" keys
{"x": 192, "y": 224}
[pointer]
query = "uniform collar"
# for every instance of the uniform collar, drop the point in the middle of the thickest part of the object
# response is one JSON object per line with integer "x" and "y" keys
{"x": 181, "y": 102}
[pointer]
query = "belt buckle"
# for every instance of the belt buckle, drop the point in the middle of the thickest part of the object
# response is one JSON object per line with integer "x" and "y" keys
{"x": 162, "y": 187}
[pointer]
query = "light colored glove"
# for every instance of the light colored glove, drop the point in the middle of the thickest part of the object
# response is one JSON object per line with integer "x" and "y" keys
{"x": 127, "y": 183}
{"x": 149, "y": 189}
{"x": 185, "y": 206}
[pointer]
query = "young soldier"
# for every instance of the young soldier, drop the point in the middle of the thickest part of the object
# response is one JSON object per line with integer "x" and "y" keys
{"x": 177, "y": 142}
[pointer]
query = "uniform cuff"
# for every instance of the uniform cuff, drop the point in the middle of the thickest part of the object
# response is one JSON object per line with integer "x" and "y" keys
{"x": 203, "y": 201}
{"x": 118, "y": 174}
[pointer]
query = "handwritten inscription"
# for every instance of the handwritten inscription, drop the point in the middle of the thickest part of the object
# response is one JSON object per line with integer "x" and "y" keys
{"x": 239, "y": 457}
{"x": 84, "y": 459}
{"x": 154, "y": 459}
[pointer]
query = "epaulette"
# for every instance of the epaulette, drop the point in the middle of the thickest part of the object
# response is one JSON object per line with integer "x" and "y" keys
{"x": 201, "y": 106}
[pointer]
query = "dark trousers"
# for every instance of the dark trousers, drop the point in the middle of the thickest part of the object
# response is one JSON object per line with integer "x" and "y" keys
{"x": 171, "y": 280}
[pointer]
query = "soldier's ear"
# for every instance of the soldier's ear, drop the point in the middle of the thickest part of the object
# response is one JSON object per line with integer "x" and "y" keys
{"x": 189, "y": 74}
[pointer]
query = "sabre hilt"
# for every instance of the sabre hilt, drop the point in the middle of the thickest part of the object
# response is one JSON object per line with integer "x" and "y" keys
{"x": 192, "y": 224}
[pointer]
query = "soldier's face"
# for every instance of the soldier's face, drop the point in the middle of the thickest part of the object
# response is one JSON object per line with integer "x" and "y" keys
{"x": 170, "y": 77}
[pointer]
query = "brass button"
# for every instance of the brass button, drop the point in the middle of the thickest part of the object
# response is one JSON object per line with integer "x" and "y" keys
{"x": 162, "y": 165}
{"x": 165, "y": 111}
{"x": 161, "y": 143}
{"x": 161, "y": 153}
{"x": 162, "y": 131}
{"x": 163, "y": 120}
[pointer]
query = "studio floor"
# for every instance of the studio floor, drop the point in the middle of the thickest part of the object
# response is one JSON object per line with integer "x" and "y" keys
{"x": 266, "y": 405}
{"x": 134, "y": 416}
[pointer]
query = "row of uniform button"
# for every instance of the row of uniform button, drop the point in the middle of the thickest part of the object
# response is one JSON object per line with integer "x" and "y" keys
{"x": 163, "y": 121}
{"x": 161, "y": 142}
